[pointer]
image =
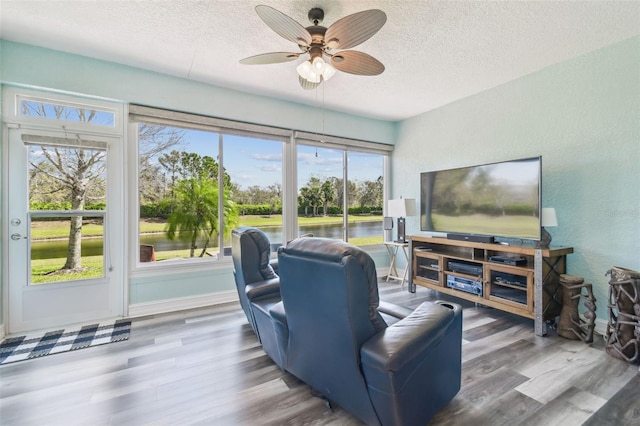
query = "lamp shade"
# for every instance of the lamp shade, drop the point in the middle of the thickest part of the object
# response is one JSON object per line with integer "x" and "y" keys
{"x": 549, "y": 217}
{"x": 403, "y": 207}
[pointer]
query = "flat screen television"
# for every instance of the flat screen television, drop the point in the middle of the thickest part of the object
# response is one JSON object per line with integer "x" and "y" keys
{"x": 499, "y": 199}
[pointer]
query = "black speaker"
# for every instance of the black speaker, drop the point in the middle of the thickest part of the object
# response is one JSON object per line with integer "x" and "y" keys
{"x": 487, "y": 239}
{"x": 387, "y": 223}
{"x": 401, "y": 235}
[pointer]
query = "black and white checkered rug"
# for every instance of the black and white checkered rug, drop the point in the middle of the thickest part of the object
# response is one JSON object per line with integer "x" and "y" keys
{"x": 19, "y": 348}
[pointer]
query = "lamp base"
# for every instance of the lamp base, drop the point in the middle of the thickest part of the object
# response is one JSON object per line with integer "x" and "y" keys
{"x": 401, "y": 235}
{"x": 545, "y": 239}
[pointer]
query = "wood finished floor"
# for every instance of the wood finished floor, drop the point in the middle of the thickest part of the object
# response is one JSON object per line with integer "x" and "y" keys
{"x": 205, "y": 367}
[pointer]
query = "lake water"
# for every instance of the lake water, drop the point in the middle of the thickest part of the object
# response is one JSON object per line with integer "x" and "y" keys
{"x": 93, "y": 246}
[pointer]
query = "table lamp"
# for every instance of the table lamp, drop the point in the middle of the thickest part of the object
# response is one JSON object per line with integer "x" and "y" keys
{"x": 548, "y": 219}
{"x": 401, "y": 208}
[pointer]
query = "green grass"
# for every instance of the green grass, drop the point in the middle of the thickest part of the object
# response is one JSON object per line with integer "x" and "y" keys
{"x": 42, "y": 230}
{"x": 41, "y": 267}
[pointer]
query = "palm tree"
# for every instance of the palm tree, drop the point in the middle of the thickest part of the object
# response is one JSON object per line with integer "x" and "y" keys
{"x": 328, "y": 194}
{"x": 195, "y": 216}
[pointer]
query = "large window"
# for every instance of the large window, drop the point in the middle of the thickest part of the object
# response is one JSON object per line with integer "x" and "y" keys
{"x": 197, "y": 182}
{"x": 201, "y": 177}
{"x": 179, "y": 192}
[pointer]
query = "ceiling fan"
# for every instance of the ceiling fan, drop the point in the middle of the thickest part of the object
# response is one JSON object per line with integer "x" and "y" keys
{"x": 320, "y": 42}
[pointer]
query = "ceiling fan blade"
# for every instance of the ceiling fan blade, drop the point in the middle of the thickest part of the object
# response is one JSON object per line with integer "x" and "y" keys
{"x": 269, "y": 58}
{"x": 354, "y": 29}
{"x": 306, "y": 84}
{"x": 354, "y": 62}
{"x": 284, "y": 25}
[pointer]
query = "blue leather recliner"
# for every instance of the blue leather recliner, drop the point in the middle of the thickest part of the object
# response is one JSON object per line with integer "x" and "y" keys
{"x": 257, "y": 283}
{"x": 338, "y": 343}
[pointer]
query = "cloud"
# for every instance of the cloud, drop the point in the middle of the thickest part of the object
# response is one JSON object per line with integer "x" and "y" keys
{"x": 267, "y": 157}
{"x": 270, "y": 168}
{"x": 319, "y": 160}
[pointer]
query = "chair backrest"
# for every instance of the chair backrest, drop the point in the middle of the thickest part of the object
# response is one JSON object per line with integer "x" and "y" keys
{"x": 330, "y": 294}
{"x": 250, "y": 251}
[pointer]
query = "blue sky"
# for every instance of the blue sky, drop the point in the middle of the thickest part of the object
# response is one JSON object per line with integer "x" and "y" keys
{"x": 251, "y": 161}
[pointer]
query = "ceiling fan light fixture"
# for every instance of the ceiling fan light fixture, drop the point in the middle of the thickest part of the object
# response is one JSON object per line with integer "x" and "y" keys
{"x": 322, "y": 68}
{"x": 314, "y": 76}
{"x": 307, "y": 71}
{"x": 303, "y": 69}
{"x": 328, "y": 72}
{"x": 318, "y": 64}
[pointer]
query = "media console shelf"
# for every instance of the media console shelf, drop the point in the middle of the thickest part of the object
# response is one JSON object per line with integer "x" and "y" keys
{"x": 526, "y": 281}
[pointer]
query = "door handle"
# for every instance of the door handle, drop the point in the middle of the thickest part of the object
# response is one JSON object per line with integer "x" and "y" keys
{"x": 17, "y": 237}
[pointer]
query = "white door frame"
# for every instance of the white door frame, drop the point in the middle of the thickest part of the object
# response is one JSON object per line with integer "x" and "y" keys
{"x": 115, "y": 220}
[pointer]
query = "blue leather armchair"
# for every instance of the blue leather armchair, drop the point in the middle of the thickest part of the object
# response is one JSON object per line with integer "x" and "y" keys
{"x": 254, "y": 276}
{"x": 339, "y": 344}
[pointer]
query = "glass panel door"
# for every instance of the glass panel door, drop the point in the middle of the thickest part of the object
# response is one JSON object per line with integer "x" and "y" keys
{"x": 60, "y": 189}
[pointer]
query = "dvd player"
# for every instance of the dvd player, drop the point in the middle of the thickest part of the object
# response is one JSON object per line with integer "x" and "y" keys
{"x": 509, "y": 260}
{"x": 465, "y": 268}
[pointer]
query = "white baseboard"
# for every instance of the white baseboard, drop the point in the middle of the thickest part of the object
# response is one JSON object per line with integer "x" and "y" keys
{"x": 182, "y": 303}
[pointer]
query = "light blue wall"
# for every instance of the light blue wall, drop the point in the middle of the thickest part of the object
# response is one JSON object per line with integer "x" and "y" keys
{"x": 583, "y": 117}
{"x": 170, "y": 286}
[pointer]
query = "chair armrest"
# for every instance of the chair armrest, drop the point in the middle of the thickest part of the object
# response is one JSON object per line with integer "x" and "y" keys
{"x": 394, "y": 310}
{"x": 261, "y": 289}
{"x": 278, "y": 314}
{"x": 414, "y": 367}
{"x": 407, "y": 339}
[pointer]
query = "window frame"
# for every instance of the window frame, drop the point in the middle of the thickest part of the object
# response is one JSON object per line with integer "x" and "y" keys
{"x": 290, "y": 138}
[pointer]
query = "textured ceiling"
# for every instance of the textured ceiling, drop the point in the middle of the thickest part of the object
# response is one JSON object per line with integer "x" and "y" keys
{"x": 435, "y": 52}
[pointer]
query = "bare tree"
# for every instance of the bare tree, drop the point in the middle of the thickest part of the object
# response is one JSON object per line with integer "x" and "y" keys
{"x": 154, "y": 141}
{"x": 74, "y": 170}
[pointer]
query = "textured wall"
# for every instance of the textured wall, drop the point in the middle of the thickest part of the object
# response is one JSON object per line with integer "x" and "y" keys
{"x": 583, "y": 117}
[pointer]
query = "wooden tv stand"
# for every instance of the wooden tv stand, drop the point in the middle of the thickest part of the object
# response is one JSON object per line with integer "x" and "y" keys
{"x": 463, "y": 269}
